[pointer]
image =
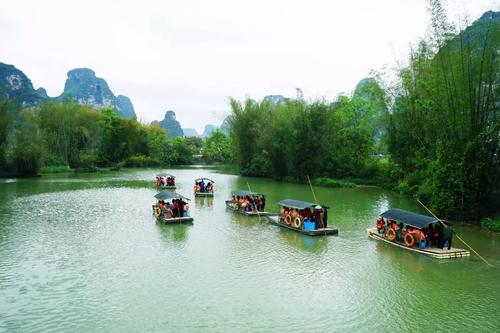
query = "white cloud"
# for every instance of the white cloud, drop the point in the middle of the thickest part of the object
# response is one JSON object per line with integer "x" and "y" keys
{"x": 190, "y": 56}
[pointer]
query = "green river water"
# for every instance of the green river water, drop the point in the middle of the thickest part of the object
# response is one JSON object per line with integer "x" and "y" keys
{"x": 82, "y": 253}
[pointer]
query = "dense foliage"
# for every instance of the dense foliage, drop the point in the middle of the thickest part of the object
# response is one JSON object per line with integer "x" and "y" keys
{"x": 295, "y": 138}
{"x": 438, "y": 138}
{"x": 217, "y": 148}
{"x": 83, "y": 138}
{"x": 444, "y": 129}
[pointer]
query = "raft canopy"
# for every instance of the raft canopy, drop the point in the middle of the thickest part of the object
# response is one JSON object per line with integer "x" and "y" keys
{"x": 164, "y": 174}
{"x": 413, "y": 219}
{"x": 298, "y": 204}
{"x": 197, "y": 180}
{"x": 169, "y": 196}
{"x": 243, "y": 193}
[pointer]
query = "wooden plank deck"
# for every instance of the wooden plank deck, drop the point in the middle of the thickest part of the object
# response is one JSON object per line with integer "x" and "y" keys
{"x": 274, "y": 219}
{"x": 203, "y": 194}
{"x": 166, "y": 187}
{"x": 175, "y": 220}
{"x": 430, "y": 251}
{"x": 251, "y": 213}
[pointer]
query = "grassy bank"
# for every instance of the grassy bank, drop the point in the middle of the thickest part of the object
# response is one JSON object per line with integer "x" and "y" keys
{"x": 491, "y": 223}
{"x": 55, "y": 169}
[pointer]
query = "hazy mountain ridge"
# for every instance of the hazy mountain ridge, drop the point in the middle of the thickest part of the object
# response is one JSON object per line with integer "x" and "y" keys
{"x": 82, "y": 87}
{"x": 171, "y": 124}
{"x": 16, "y": 86}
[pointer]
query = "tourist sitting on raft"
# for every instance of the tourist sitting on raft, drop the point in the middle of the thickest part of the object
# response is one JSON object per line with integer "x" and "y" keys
{"x": 160, "y": 181}
{"x": 201, "y": 187}
{"x": 165, "y": 180}
{"x": 412, "y": 229}
{"x": 318, "y": 215}
{"x": 170, "y": 181}
{"x": 178, "y": 208}
{"x": 249, "y": 203}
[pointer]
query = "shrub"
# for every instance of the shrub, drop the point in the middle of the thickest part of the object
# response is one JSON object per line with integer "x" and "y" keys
{"x": 142, "y": 161}
{"x": 330, "y": 182}
{"x": 491, "y": 223}
{"x": 88, "y": 162}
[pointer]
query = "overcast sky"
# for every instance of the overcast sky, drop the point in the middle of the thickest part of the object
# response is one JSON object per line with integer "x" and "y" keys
{"x": 191, "y": 56}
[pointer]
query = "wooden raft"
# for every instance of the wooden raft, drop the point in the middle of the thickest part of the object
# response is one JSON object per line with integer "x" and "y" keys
{"x": 274, "y": 219}
{"x": 251, "y": 213}
{"x": 430, "y": 251}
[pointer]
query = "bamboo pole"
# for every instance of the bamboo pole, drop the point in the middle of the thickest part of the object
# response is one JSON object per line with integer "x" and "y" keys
{"x": 459, "y": 238}
{"x": 251, "y": 195}
{"x": 315, "y": 199}
{"x": 312, "y": 190}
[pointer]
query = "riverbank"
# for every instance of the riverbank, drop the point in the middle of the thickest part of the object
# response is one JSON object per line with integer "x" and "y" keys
{"x": 491, "y": 223}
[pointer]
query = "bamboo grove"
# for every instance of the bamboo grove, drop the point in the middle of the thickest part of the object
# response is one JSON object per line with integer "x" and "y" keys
{"x": 440, "y": 129}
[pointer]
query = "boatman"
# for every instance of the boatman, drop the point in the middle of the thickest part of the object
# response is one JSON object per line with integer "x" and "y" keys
{"x": 447, "y": 236}
{"x": 318, "y": 216}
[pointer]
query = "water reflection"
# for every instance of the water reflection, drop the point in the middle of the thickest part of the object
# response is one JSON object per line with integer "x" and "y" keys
{"x": 174, "y": 232}
{"x": 246, "y": 221}
{"x": 412, "y": 262}
{"x": 200, "y": 202}
{"x": 304, "y": 242}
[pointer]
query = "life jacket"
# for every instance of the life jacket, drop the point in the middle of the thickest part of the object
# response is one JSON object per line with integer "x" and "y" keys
{"x": 419, "y": 234}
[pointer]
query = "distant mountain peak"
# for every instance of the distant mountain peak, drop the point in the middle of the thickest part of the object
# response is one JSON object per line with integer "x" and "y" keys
{"x": 490, "y": 15}
{"x": 170, "y": 115}
{"x": 84, "y": 87}
{"x": 171, "y": 124}
{"x": 209, "y": 128}
{"x": 274, "y": 99}
{"x": 15, "y": 85}
{"x": 190, "y": 132}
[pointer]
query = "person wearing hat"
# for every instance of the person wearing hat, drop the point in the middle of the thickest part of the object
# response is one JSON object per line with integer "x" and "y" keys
{"x": 318, "y": 216}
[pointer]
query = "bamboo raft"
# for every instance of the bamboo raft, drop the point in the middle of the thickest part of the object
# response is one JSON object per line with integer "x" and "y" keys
{"x": 175, "y": 220}
{"x": 430, "y": 251}
{"x": 203, "y": 194}
{"x": 229, "y": 205}
{"x": 166, "y": 187}
{"x": 275, "y": 220}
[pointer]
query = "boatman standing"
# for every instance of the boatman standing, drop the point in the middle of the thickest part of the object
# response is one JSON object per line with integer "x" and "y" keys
{"x": 447, "y": 236}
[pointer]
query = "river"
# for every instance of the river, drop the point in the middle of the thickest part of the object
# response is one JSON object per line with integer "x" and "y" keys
{"x": 82, "y": 253}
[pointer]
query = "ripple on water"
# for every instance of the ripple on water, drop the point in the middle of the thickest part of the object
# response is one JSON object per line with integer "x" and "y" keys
{"x": 92, "y": 259}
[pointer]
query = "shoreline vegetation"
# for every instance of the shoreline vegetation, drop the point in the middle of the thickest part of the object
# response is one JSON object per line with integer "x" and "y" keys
{"x": 432, "y": 132}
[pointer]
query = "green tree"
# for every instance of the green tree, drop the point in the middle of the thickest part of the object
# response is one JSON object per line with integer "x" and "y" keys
{"x": 443, "y": 129}
{"x": 5, "y": 128}
{"x": 28, "y": 153}
{"x": 217, "y": 148}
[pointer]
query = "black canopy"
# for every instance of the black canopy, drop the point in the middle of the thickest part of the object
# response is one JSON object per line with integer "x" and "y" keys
{"x": 243, "y": 193}
{"x": 203, "y": 178}
{"x": 298, "y": 204}
{"x": 409, "y": 218}
{"x": 169, "y": 195}
{"x": 164, "y": 174}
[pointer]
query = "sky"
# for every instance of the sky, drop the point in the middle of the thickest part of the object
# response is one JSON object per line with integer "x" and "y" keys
{"x": 192, "y": 56}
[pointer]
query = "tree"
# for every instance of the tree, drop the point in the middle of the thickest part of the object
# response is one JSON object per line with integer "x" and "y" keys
{"x": 28, "y": 153}
{"x": 5, "y": 127}
{"x": 217, "y": 148}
